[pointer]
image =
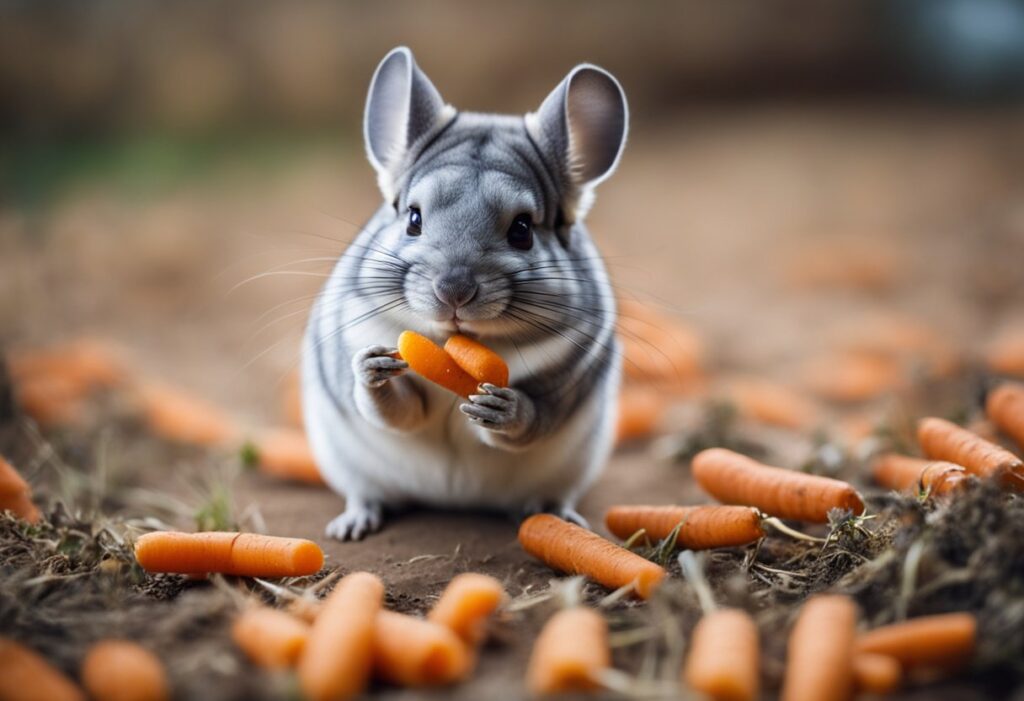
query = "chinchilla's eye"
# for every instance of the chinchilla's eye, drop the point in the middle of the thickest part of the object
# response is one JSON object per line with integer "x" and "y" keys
{"x": 520, "y": 234}
{"x": 415, "y": 227}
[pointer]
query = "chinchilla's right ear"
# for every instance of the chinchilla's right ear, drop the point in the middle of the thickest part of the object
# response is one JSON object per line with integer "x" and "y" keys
{"x": 403, "y": 107}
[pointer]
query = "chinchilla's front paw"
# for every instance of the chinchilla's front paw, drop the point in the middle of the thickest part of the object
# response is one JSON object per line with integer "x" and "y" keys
{"x": 500, "y": 409}
{"x": 375, "y": 365}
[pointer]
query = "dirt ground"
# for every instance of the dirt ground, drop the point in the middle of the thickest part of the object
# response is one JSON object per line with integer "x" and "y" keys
{"x": 776, "y": 233}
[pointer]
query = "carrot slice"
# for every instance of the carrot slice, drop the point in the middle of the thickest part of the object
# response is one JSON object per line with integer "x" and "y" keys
{"x": 736, "y": 479}
{"x": 466, "y": 604}
{"x": 703, "y": 527}
{"x": 724, "y": 659}
{"x": 479, "y": 361}
{"x": 178, "y": 416}
{"x": 270, "y": 638}
{"x": 568, "y": 548}
{"x": 26, "y": 676}
{"x": 944, "y": 440}
{"x": 1005, "y": 407}
{"x": 570, "y": 651}
{"x": 945, "y": 640}
{"x": 433, "y": 363}
{"x": 120, "y": 670}
{"x": 285, "y": 453}
{"x": 240, "y": 554}
{"x": 819, "y": 659}
{"x": 904, "y": 473}
{"x": 413, "y": 652}
{"x": 641, "y": 407}
{"x": 876, "y": 674}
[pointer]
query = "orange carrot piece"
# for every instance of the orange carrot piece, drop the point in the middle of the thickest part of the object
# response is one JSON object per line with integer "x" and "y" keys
{"x": 819, "y": 659}
{"x": 269, "y": 637}
{"x": 338, "y": 657}
{"x": 479, "y": 361}
{"x": 240, "y": 554}
{"x": 772, "y": 403}
{"x": 853, "y": 377}
{"x": 568, "y": 548}
{"x": 85, "y": 364}
{"x": 26, "y": 676}
{"x": 1005, "y": 354}
{"x": 944, "y": 440}
{"x": 413, "y": 652}
{"x": 180, "y": 417}
{"x": 120, "y": 670}
{"x": 52, "y": 401}
{"x": 876, "y": 674}
{"x": 640, "y": 409}
{"x": 15, "y": 494}
{"x": 657, "y": 348}
{"x": 285, "y": 453}
{"x": 1005, "y": 407}
{"x": 736, "y": 479}
{"x": 904, "y": 473}
{"x": 724, "y": 659}
{"x": 945, "y": 640}
{"x": 433, "y": 363}
{"x": 570, "y": 651}
{"x": 703, "y": 527}
{"x": 466, "y": 604}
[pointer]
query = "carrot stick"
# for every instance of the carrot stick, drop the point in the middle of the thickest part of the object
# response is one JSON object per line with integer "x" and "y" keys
{"x": 466, "y": 604}
{"x": 479, "y": 361}
{"x": 1005, "y": 407}
{"x": 410, "y": 651}
{"x": 285, "y": 453}
{"x": 15, "y": 494}
{"x": 269, "y": 637}
{"x": 876, "y": 674}
{"x": 904, "y": 473}
{"x": 570, "y": 651}
{"x": 433, "y": 363}
{"x": 26, "y": 676}
{"x": 120, "y": 670}
{"x": 819, "y": 659}
{"x": 736, "y": 479}
{"x": 943, "y": 440}
{"x": 240, "y": 554}
{"x": 703, "y": 527}
{"x": 945, "y": 640}
{"x": 180, "y": 417}
{"x": 724, "y": 659}
{"x": 338, "y": 657}
{"x": 640, "y": 409}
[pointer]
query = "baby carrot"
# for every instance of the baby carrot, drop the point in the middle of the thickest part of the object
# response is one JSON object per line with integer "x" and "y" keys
{"x": 15, "y": 494}
{"x": 904, "y": 473}
{"x": 1005, "y": 407}
{"x": 433, "y": 363}
{"x": 736, "y": 479}
{"x": 876, "y": 674}
{"x": 240, "y": 554}
{"x": 570, "y": 651}
{"x": 413, "y": 652}
{"x": 120, "y": 670}
{"x": 724, "y": 659}
{"x": 819, "y": 658}
{"x": 466, "y": 604}
{"x": 269, "y": 637}
{"x": 285, "y": 453}
{"x": 945, "y": 640}
{"x": 178, "y": 416}
{"x": 568, "y": 548}
{"x": 640, "y": 409}
{"x": 26, "y": 676}
{"x": 338, "y": 657}
{"x": 703, "y": 526}
{"x": 479, "y": 361}
{"x": 943, "y": 440}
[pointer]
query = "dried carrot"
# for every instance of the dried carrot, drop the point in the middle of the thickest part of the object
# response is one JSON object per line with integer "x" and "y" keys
{"x": 724, "y": 659}
{"x": 433, "y": 363}
{"x": 338, "y": 657}
{"x": 772, "y": 403}
{"x": 1005, "y": 407}
{"x": 568, "y": 548}
{"x": 736, "y": 479}
{"x": 703, "y": 527}
{"x": 183, "y": 418}
{"x": 479, "y": 361}
{"x": 241, "y": 554}
{"x": 285, "y": 453}
{"x": 413, "y": 652}
{"x": 640, "y": 409}
{"x": 943, "y": 440}
{"x": 945, "y": 640}
{"x": 819, "y": 658}
{"x": 658, "y": 348}
{"x": 876, "y": 674}
{"x": 120, "y": 670}
{"x": 269, "y": 637}
{"x": 466, "y": 604}
{"x": 571, "y": 650}
{"x": 904, "y": 473}
{"x": 15, "y": 494}
{"x": 26, "y": 676}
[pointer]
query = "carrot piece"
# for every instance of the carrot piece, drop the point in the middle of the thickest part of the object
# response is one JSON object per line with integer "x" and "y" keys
{"x": 1005, "y": 354}
{"x": 943, "y": 440}
{"x": 285, "y": 453}
{"x": 433, "y": 363}
{"x": 466, "y": 604}
{"x": 15, "y": 494}
{"x": 570, "y": 651}
{"x": 904, "y": 473}
{"x": 640, "y": 409}
{"x": 410, "y": 651}
{"x": 568, "y": 548}
{"x": 52, "y": 401}
{"x": 1005, "y": 407}
{"x": 269, "y": 637}
{"x": 736, "y": 479}
{"x": 180, "y": 417}
{"x": 819, "y": 658}
{"x": 703, "y": 526}
{"x": 479, "y": 361}
{"x": 853, "y": 377}
{"x": 26, "y": 676}
{"x": 945, "y": 640}
{"x": 120, "y": 670}
{"x": 724, "y": 659}
{"x": 85, "y": 364}
{"x": 876, "y": 674}
{"x": 772, "y": 403}
{"x": 240, "y": 554}
{"x": 338, "y": 657}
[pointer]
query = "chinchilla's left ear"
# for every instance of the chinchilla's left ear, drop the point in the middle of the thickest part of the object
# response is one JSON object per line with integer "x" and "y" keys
{"x": 582, "y": 127}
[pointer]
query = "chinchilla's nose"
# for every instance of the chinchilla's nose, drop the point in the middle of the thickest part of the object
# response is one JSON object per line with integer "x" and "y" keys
{"x": 455, "y": 287}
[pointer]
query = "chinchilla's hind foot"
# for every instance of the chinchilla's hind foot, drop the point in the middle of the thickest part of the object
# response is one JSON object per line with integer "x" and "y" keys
{"x": 359, "y": 519}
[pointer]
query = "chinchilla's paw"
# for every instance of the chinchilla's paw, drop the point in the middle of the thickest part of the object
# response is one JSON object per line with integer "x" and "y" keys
{"x": 375, "y": 365}
{"x": 358, "y": 520}
{"x": 496, "y": 408}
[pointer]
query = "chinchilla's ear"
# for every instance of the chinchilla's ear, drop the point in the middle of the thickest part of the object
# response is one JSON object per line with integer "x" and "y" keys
{"x": 403, "y": 107}
{"x": 582, "y": 126}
